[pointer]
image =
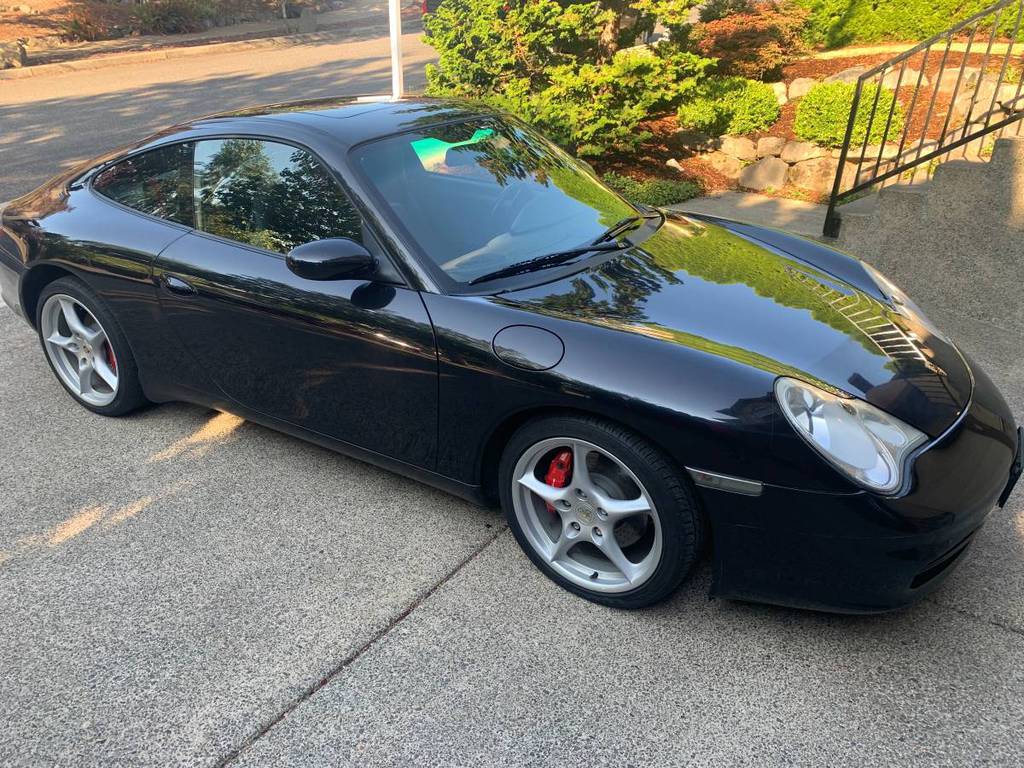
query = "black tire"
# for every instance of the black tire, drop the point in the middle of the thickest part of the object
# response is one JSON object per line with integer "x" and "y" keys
{"x": 682, "y": 523}
{"x": 129, "y": 396}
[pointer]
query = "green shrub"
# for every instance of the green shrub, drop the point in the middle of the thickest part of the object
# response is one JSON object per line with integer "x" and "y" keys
{"x": 713, "y": 10}
{"x": 89, "y": 21}
{"x": 560, "y": 68}
{"x": 834, "y": 23}
{"x": 172, "y": 17}
{"x": 731, "y": 105}
{"x": 822, "y": 115}
{"x": 597, "y": 109}
{"x": 656, "y": 192}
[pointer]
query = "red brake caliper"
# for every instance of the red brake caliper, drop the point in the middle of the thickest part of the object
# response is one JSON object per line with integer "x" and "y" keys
{"x": 559, "y": 473}
{"x": 111, "y": 360}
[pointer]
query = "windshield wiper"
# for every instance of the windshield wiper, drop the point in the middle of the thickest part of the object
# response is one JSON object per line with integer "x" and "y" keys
{"x": 606, "y": 241}
{"x": 618, "y": 228}
{"x": 625, "y": 225}
{"x": 547, "y": 260}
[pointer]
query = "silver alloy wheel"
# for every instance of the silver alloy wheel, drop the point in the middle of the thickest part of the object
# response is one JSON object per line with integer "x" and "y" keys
{"x": 79, "y": 349}
{"x": 601, "y": 531}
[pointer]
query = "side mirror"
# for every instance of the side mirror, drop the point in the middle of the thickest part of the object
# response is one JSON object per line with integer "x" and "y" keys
{"x": 333, "y": 258}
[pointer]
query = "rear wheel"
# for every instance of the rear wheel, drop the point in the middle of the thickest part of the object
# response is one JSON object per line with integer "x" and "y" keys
{"x": 599, "y": 510}
{"x": 86, "y": 349}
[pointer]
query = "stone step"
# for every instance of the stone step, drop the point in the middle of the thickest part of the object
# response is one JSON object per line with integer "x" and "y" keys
{"x": 1008, "y": 153}
{"x": 866, "y": 222}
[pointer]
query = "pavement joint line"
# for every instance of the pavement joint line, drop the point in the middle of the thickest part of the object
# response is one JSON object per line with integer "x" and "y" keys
{"x": 250, "y": 740}
{"x": 975, "y": 617}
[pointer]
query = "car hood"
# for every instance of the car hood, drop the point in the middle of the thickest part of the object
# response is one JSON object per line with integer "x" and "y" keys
{"x": 697, "y": 284}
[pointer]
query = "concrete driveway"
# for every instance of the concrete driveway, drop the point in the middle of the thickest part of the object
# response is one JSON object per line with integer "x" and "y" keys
{"x": 182, "y": 587}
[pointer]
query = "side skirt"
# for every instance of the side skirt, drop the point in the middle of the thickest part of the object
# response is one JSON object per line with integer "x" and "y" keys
{"x": 471, "y": 493}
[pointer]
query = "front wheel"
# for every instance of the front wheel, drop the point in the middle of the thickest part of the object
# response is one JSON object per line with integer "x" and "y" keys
{"x": 600, "y": 511}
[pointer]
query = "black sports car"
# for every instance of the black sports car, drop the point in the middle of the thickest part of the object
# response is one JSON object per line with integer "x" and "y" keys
{"x": 435, "y": 288}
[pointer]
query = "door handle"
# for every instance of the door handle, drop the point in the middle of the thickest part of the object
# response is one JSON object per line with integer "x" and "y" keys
{"x": 177, "y": 286}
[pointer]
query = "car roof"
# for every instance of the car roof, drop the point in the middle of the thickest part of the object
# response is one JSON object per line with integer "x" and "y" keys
{"x": 348, "y": 121}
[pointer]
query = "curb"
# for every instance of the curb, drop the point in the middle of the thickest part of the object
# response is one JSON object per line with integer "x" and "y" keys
{"x": 105, "y": 60}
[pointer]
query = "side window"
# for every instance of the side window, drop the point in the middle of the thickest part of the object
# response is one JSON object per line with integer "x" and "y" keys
{"x": 269, "y": 195}
{"x": 158, "y": 182}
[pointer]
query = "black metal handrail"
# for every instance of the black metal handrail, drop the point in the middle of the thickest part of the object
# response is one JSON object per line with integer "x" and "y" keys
{"x": 1002, "y": 18}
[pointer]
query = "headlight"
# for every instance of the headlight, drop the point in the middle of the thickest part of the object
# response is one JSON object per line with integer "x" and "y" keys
{"x": 866, "y": 444}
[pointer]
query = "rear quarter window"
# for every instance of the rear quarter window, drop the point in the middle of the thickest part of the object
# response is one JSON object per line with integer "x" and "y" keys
{"x": 158, "y": 183}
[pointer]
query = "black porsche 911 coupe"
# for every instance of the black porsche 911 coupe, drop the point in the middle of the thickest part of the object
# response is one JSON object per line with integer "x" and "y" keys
{"x": 434, "y": 288}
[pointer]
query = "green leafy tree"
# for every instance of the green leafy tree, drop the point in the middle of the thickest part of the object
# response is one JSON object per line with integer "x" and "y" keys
{"x": 565, "y": 66}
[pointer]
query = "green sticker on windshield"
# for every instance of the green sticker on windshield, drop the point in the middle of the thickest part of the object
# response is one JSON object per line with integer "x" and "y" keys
{"x": 432, "y": 152}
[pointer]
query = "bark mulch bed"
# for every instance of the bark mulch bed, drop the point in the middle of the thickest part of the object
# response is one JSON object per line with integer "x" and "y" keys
{"x": 651, "y": 162}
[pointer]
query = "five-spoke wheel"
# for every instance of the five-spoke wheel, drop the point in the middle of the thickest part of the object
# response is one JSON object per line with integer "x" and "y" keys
{"x": 599, "y": 510}
{"x": 600, "y": 530}
{"x": 79, "y": 349}
{"x": 86, "y": 348}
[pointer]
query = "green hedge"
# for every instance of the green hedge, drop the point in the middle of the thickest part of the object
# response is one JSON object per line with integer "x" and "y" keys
{"x": 656, "y": 192}
{"x": 822, "y": 115}
{"x": 835, "y": 23}
{"x": 732, "y": 105}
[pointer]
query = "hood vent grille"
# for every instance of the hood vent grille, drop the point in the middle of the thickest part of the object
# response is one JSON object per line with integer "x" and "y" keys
{"x": 869, "y": 317}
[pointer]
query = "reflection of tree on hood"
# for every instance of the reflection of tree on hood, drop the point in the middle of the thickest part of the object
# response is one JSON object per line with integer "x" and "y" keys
{"x": 626, "y": 282}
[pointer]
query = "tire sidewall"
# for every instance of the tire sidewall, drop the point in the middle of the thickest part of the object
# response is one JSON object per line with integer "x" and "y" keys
{"x": 129, "y": 393}
{"x": 677, "y": 511}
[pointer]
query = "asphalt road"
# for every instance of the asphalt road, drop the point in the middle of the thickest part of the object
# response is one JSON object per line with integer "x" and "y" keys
{"x": 47, "y": 124}
{"x": 181, "y": 587}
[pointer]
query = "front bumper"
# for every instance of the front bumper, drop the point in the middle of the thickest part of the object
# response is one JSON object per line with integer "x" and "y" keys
{"x": 861, "y": 553}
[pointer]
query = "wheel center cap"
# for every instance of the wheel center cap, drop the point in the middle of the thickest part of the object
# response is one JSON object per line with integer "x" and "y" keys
{"x": 584, "y": 512}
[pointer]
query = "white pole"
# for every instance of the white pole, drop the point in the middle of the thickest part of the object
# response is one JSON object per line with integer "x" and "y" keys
{"x": 395, "y": 22}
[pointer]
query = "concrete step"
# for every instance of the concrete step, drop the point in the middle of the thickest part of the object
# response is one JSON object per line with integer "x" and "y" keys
{"x": 1008, "y": 153}
{"x": 871, "y": 217}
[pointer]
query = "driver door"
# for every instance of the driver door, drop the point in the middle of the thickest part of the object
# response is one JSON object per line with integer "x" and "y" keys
{"x": 354, "y": 360}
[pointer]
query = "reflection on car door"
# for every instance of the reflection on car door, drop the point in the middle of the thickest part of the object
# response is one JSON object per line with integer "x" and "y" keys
{"x": 351, "y": 359}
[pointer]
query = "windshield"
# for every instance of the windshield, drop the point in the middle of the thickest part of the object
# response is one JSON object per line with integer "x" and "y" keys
{"x": 479, "y": 196}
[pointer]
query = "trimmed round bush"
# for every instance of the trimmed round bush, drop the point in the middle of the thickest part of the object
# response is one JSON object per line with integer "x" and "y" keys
{"x": 656, "y": 192}
{"x": 822, "y": 115}
{"x": 733, "y": 105}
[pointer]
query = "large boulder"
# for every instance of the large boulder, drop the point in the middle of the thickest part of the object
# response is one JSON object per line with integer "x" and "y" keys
{"x": 850, "y": 75}
{"x": 780, "y": 93}
{"x": 798, "y": 151}
{"x": 909, "y": 79}
{"x": 727, "y": 165}
{"x": 801, "y": 86}
{"x": 12, "y": 54}
{"x": 815, "y": 175}
{"x": 739, "y": 147}
{"x": 695, "y": 141}
{"x": 948, "y": 79}
{"x": 986, "y": 89}
{"x": 770, "y": 146}
{"x": 767, "y": 173}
